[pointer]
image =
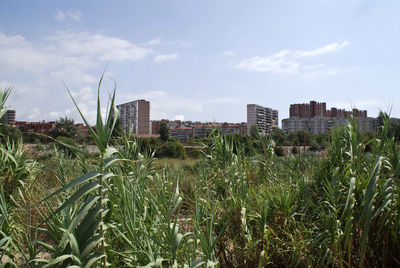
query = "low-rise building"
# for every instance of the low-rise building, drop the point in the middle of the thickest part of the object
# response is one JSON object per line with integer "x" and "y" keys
{"x": 201, "y": 131}
{"x": 35, "y": 127}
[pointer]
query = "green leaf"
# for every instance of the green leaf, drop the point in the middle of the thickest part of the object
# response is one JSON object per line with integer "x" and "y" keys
{"x": 61, "y": 259}
{"x": 82, "y": 179}
{"x": 91, "y": 245}
{"x": 87, "y": 188}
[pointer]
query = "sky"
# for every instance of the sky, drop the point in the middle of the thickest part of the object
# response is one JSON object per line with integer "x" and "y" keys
{"x": 199, "y": 60}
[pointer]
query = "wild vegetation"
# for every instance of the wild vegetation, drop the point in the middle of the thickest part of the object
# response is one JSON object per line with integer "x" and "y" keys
{"x": 237, "y": 206}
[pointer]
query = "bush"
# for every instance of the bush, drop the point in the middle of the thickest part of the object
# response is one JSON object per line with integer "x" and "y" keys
{"x": 314, "y": 146}
{"x": 12, "y": 133}
{"x": 172, "y": 149}
{"x": 279, "y": 151}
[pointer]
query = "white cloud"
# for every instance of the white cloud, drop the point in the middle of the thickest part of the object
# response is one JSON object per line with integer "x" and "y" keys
{"x": 166, "y": 105}
{"x": 164, "y": 57}
{"x": 322, "y": 50}
{"x": 73, "y": 14}
{"x": 36, "y": 70}
{"x": 179, "y": 117}
{"x": 35, "y": 114}
{"x": 288, "y": 62}
{"x": 154, "y": 42}
{"x": 275, "y": 64}
{"x": 96, "y": 46}
{"x": 65, "y": 50}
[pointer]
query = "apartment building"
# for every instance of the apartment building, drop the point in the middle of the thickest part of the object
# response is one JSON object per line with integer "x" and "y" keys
{"x": 314, "y": 117}
{"x": 265, "y": 118}
{"x": 35, "y": 127}
{"x": 318, "y": 109}
{"x": 201, "y": 131}
{"x": 10, "y": 117}
{"x": 135, "y": 116}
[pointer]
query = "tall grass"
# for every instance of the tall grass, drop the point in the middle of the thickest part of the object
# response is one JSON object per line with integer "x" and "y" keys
{"x": 231, "y": 209}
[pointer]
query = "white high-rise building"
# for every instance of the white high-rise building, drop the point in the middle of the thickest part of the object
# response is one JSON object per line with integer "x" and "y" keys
{"x": 265, "y": 118}
{"x": 135, "y": 115}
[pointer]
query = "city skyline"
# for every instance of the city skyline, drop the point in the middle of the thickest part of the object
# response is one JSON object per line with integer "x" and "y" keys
{"x": 191, "y": 68}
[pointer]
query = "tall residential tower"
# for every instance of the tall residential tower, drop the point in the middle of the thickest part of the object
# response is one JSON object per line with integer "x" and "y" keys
{"x": 135, "y": 115}
{"x": 265, "y": 118}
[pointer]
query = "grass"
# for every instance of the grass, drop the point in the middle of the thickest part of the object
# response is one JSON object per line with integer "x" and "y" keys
{"x": 175, "y": 163}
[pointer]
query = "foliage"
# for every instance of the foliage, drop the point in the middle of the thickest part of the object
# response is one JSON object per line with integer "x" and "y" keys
{"x": 64, "y": 127}
{"x": 164, "y": 131}
{"x": 4, "y": 94}
{"x": 239, "y": 205}
{"x": 67, "y": 151}
{"x": 278, "y": 150}
{"x": 7, "y": 131}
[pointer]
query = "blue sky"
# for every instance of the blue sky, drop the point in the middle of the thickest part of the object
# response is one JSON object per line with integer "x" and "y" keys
{"x": 200, "y": 60}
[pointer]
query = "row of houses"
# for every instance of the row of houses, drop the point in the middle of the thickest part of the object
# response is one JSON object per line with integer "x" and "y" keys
{"x": 44, "y": 127}
{"x": 184, "y": 134}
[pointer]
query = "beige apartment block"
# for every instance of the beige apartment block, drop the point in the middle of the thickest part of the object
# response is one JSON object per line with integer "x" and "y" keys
{"x": 135, "y": 117}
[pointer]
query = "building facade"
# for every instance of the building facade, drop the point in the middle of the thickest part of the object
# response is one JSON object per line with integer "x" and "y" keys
{"x": 35, "y": 127}
{"x": 10, "y": 117}
{"x": 314, "y": 117}
{"x": 201, "y": 131}
{"x": 135, "y": 116}
{"x": 265, "y": 118}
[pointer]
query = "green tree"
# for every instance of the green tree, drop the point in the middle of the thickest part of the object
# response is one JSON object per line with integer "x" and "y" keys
{"x": 164, "y": 131}
{"x": 64, "y": 127}
{"x": 278, "y": 135}
{"x": 11, "y": 132}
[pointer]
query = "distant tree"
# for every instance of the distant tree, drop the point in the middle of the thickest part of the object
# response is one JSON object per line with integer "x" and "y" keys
{"x": 164, "y": 131}
{"x": 291, "y": 139}
{"x": 64, "y": 127}
{"x": 278, "y": 135}
{"x": 10, "y": 132}
{"x": 314, "y": 146}
{"x": 304, "y": 137}
{"x": 322, "y": 140}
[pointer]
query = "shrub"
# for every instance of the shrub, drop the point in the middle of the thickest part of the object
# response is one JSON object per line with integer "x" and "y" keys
{"x": 279, "y": 151}
{"x": 314, "y": 146}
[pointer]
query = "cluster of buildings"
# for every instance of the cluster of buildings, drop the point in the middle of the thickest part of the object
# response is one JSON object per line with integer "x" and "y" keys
{"x": 314, "y": 117}
{"x": 40, "y": 126}
{"x": 134, "y": 118}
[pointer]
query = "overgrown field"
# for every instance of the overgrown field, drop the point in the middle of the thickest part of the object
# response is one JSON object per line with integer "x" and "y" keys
{"x": 228, "y": 209}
